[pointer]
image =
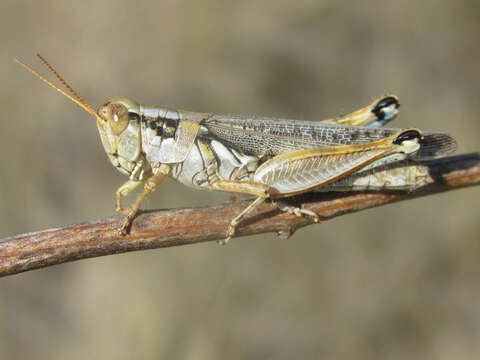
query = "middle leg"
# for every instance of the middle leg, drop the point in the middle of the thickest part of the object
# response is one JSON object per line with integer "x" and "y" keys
{"x": 262, "y": 192}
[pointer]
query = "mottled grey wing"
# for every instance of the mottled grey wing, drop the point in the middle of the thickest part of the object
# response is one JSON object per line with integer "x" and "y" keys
{"x": 271, "y": 136}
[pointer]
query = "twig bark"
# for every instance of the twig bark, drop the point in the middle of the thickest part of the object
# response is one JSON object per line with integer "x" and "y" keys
{"x": 164, "y": 228}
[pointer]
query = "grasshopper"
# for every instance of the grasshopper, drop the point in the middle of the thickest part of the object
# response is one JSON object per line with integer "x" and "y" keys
{"x": 268, "y": 158}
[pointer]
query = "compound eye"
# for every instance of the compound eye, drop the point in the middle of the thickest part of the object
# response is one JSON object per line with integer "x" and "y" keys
{"x": 118, "y": 117}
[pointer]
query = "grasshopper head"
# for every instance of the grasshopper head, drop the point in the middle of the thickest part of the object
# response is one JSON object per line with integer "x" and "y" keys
{"x": 118, "y": 121}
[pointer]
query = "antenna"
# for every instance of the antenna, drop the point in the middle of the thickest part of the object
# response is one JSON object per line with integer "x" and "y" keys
{"x": 77, "y": 99}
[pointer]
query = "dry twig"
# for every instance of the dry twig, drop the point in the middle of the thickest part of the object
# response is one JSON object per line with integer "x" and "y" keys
{"x": 163, "y": 228}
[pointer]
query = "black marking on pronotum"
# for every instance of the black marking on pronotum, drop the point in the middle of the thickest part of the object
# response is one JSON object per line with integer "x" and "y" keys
{"x": 170, "y": 123}
{"x": 407, "y": 135}
{"x": 169, "y": 127}
{"x": 152, "y": 124}
{"x": 385, "y": 102}
{"x": 133, "y": 116}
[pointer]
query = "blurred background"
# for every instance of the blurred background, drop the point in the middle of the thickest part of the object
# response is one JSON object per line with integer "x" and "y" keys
{"x": 400, "y": 281}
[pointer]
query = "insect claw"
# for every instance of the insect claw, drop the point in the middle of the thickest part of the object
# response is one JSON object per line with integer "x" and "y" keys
{"x": 125, "y": 227}
{"x": 284, "y": 234}
{"x": 122, "y": 231}
{"x": 127, "y": 223}
{"x": 296, "y": 210}
{"x": 230, "y": 233}
{"x": 224, "y": 241}
{"x": 314, "y": 216}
